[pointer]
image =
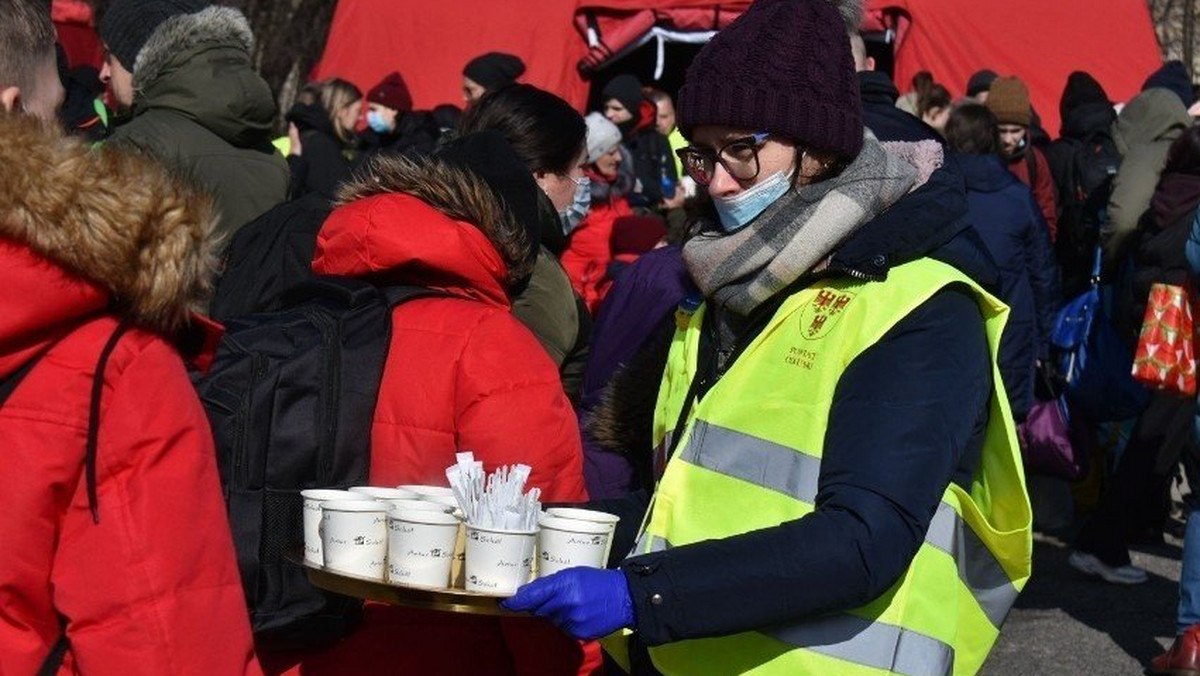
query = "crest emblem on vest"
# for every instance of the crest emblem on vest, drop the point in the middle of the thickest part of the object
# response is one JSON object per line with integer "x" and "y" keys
{"x": 819, "y": 316}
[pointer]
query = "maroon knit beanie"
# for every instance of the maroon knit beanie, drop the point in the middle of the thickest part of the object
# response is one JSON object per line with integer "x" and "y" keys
{"x": 784, "y": 67}
{"x": 391, "y": 92}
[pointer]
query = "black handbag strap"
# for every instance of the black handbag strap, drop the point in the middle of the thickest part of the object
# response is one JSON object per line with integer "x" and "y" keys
{"x": 55, "y": 659}
{"x": 93, "y": 432}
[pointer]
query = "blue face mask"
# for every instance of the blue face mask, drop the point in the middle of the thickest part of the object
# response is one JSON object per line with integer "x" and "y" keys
{"x": 573, "y": 215}
{"x": 735, "y": 212}
{"x": 377, "y": 122}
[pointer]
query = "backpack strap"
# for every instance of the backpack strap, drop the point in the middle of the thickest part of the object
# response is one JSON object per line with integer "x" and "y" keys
{"x": 58, "y": 653}
{"x": 9, "y": 384}
{"x": 395, "y": 295}
{"x": 93, "y": 432}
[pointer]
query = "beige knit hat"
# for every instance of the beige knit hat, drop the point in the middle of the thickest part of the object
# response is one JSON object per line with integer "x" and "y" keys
{"x": 1008, "y": 99}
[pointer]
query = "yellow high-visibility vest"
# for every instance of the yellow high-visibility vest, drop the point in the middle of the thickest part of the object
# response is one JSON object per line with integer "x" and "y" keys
{"x": 750, "y": 457}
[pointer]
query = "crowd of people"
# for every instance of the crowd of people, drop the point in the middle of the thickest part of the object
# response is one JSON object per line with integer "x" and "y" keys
{"x": 792, "y": 326}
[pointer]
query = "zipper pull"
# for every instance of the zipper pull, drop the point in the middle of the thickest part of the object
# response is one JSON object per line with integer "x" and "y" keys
{"x": 722, "y": 359}
{"x": 686, "y": 308}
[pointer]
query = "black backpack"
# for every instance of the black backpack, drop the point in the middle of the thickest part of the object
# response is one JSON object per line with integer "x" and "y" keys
{"x": 1084, "y": 201}
{"x": 290, "y": 397}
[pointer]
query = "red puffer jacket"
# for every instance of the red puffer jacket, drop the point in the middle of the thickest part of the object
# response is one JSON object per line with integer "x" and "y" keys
{"x": 589, "y": 250}
{"x": 152, "y": 587}
{"x": 461, "y": 374}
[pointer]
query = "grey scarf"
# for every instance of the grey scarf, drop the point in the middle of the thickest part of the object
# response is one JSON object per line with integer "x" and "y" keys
{"x": 741, "y": 270}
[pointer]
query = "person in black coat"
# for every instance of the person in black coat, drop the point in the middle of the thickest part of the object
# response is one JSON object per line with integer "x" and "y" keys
{"x": 1002, "y": 210}
{"x": 323, "y": 145}
{"x": 653, "y": 164}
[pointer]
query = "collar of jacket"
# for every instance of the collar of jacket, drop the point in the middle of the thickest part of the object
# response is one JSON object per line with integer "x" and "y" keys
{"x": 93, "y": 229}
{"x": 199, "y": 66}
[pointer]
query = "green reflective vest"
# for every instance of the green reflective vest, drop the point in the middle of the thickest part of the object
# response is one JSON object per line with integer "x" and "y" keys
{"x": 750, "y": 458}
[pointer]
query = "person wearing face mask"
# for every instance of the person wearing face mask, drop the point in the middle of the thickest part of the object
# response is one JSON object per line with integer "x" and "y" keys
{"x": 324, "y": 150}
{"x": 392, "y": 124}
{"x": 589, "y": 249}
{"x": 839, "y": 488}
{"x": 551, "y": 138}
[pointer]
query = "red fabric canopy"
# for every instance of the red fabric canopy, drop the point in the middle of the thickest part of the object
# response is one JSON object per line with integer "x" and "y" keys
{"x": 76, "y": 29}
{"x": 1040, "y": 41}
{"x": 430, "y": 42}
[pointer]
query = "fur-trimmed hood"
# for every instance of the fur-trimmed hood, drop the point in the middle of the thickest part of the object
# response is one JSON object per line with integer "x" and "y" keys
{"x": 424, "y": 221}
{"x": 112, "y": 218}
{"x": 200, "y": 66}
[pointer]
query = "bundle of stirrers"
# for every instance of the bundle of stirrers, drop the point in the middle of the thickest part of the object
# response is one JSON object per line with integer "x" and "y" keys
{"x": 498, "y": 500}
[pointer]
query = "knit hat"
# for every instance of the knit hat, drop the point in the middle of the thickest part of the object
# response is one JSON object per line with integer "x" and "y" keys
{"x": 1008, "y": 99}
{"x": 489, "y": 156}
{"x": 980, "y": 82}
{"x": 391, "y": 92}
{"x": 1081, "y": 89}
{"x": 1173, "y": 75}
{"x": 602, "y": 136}
{"x": 626, "y": 89}
{"x": 784, "y": 67}
{"x": 494, "y": 70}
{"x": 128, "y": 24}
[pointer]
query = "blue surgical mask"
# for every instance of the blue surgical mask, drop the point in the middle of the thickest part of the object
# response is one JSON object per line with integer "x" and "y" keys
{"x": 377, "y": 122}
{"x": 735, "y": 212}
{"x": 573, "y": 215}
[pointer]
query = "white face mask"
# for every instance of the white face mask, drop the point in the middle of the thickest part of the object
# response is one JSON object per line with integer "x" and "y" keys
{"x": 574, "y": 214}
{"x": 736, "y": 212}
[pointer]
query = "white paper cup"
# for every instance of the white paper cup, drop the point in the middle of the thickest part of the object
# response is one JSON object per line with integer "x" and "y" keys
{"x": 422, "y": 505}
{"x": 421, "y": 547}
{"x": 567, "y": 543}
{"x": 589, "y": 515}
{"x": 381, "y": 493}
{"x": 354, "y": 537}
{"x": 447, "y": 500}
{"x": 312, "y": 519}
{"x": 425, "y": 492}
{"x": 498, "y": 561}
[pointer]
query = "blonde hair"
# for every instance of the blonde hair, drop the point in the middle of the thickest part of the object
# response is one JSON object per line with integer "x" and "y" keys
{"x": 336, "y": 95}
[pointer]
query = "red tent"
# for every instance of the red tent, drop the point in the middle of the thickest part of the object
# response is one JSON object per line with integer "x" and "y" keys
{"x": 76, "y": 29}
{"x": 1042, "y": 40}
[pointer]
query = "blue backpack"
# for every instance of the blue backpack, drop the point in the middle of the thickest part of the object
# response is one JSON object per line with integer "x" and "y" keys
{"x": 1093, "y": 361}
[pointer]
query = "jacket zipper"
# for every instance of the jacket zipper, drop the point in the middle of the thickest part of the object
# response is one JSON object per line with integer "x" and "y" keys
{"x": 329, "y": 378}
{"x": 240, "y": 472}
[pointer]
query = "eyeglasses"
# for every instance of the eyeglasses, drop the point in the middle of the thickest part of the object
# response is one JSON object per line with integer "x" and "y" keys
{"x": 739, "y": 157}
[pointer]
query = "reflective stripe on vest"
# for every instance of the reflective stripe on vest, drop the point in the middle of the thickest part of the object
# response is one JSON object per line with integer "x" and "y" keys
{"x": 779, "y": 468}
{"x": 750, "y": 458}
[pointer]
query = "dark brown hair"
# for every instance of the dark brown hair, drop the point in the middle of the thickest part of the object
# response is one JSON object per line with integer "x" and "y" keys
{"x": 1184, "y": 155}
{"x": 544, "y": 130}
{"x": 972, "y": 130}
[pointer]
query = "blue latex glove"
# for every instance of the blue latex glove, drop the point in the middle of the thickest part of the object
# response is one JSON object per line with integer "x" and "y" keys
{"x": 586, "y": 603}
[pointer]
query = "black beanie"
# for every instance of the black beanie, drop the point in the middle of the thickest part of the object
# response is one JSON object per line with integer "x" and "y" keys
{"x": 980, "y": 82}
{"x": 628, "y": 90}
{"x": 494, "y": 70}
{"x": 128, "y": 24}
{"x": 1173, "y": 75}
{"x": 489, "y": 156}
{"x": 1081, "y": 89}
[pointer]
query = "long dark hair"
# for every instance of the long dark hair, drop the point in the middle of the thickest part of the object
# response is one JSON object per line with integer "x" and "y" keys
{"x": 972, "y": 130}
{"x": 1184, "y": 155}
{"x": 544, "y": 130}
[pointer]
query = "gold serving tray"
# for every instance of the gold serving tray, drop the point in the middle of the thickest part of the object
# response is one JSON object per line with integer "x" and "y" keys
{"x": 446, "y": 600}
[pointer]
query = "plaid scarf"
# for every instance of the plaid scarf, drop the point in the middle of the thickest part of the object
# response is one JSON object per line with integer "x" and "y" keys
{"x": 741, "y": 270}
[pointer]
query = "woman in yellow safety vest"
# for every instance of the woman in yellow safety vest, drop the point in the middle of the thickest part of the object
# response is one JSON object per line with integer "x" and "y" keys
{"x": 838, "y": 484}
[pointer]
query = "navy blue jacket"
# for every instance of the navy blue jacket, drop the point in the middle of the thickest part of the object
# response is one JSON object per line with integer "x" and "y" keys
{"x": 1004, "y": 212}
{"x": 908, "y": 418}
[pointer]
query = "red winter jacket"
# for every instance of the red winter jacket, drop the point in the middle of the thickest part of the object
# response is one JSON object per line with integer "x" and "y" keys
{"x": 1043, "y": 190}
{"x": 153, "y": 587}
{"x": 461, "y": 374}
{"x": 589, "y": 251}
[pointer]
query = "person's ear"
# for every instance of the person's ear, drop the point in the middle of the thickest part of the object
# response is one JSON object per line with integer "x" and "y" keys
{"x": 10, "y": 99}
